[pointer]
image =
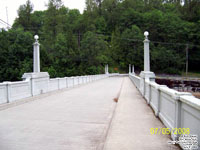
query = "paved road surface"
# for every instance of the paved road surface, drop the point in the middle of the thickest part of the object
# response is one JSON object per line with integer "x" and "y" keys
{"x": 76, "y": 119}
{"x": 80, "y": 118}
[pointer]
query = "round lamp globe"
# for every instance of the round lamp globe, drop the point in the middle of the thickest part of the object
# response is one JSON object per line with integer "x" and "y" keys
{"x": 36, "y": 37}
{"x": 146, "y": 33}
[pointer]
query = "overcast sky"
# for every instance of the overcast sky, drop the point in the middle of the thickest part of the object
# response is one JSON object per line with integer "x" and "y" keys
{"x": 13, "y": 5}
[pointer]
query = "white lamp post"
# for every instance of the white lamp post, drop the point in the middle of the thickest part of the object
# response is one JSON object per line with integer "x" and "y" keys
{"x": 129, "y": 68}
{"x": 36, "y": 55}
{"x": 39, "y": 81}
{"x": 107, "y": 69}
{"x": 146, "y": 74}
{"x": 146, "y": 52}
{"x": 133, "y": 70}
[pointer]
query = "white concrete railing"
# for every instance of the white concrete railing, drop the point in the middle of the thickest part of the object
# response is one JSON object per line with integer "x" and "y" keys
{"x": 135, "y": 80}
{"x": 175, "y": 109}
{"x": 13, "y": 91}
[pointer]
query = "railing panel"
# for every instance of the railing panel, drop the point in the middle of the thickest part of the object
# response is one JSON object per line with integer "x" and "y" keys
{"x": 62, "y": 83}
{"x": 147, "y": 91}
{"x": 53, "y": 84}
{"x": 154, "y": 99}
{"x": 167, "y": 110}
{"x": 70, "y": 82}
{"x": 190, "y": 115}
{"x": 3, "y": 93}
{"x": 19, "y": 90}
{"x": 135, "y": 80}
{"x": 40, "y": 86}
{"x": 80, "y": 79}
{"x": 75, "y": 81}
{"x": 84, "y": 79}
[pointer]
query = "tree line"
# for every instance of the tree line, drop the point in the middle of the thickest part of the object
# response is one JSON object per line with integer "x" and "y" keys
{"x": 107, "y": 32}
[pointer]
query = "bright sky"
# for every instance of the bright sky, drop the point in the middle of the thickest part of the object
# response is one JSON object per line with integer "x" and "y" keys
{"x": 13, "y": 5}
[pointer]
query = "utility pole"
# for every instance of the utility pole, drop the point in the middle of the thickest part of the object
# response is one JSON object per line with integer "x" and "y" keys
{"x": 186, "y": 71}
{"x": 79, "y": 39}
{"x": 7, "y": 17}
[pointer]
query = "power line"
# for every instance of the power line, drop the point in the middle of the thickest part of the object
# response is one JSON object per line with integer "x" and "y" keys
{"x": 135, "y": 40}
{"x": 157, "y": 42}
{"x": 7, "y": 14}
{"x": 5, "y": 22}
{"x": 2, "y": 23}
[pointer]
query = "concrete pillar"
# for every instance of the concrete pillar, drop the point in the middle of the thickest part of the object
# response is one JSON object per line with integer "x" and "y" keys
{"x": 39, "y": 81}
{"x": 146, "y": 52}
{"x": 36, "y": 55}
{"x": 107, "y": 72}
{"x": 129, "y": 68}
{"x": 146, "y": 75}
{"x": 105, "y": 69}
{"x": 133, "y": 70}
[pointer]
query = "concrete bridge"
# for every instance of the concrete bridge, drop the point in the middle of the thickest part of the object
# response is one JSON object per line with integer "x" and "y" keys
{"x": 96, "y": 112}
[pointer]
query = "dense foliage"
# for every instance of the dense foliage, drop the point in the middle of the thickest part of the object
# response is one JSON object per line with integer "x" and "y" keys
{"x": 108, "y": 32}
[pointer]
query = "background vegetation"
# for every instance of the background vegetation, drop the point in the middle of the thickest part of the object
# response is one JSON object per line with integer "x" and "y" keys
{"x": 108, "y": 32}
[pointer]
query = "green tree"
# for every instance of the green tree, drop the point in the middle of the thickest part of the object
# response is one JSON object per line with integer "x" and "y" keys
{"x": 15, "y": 54}
{"x": 24, "y": 16}
{"x": 132, "y": 47}
{"x": 93, "y": 48}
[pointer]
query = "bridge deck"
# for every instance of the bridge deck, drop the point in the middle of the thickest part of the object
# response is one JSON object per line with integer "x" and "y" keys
{"x": 132, "y": 121}
{"x": 75, "y": 119}
{"x": 79, "y": 119}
